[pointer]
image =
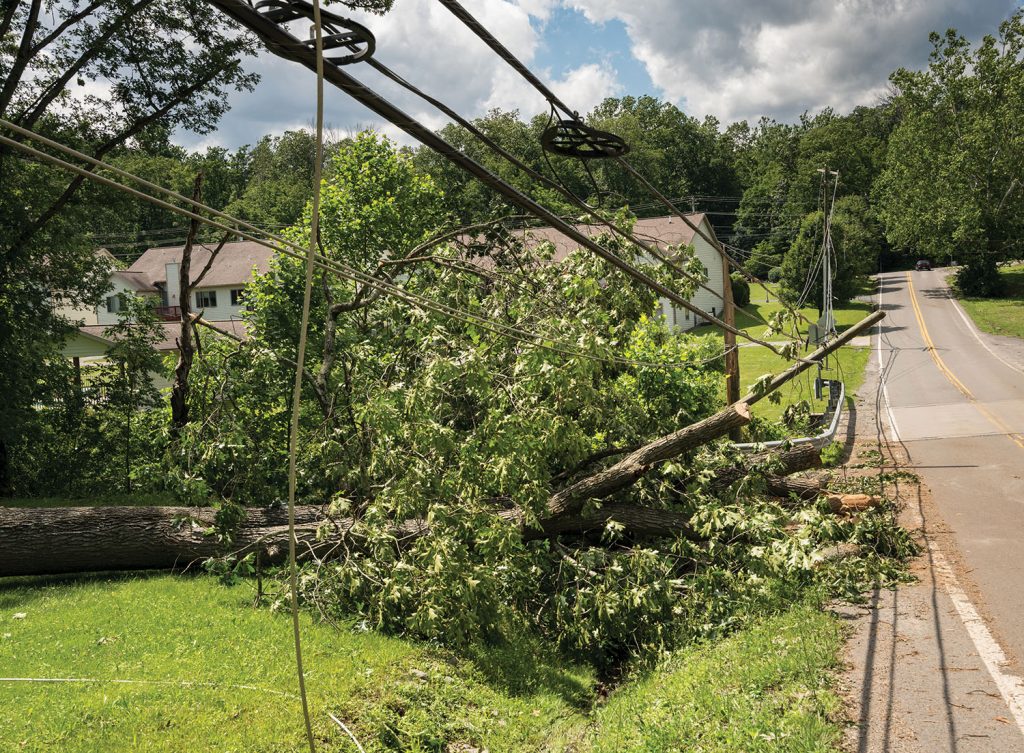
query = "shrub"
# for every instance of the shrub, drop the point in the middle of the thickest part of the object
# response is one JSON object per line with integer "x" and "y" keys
{"x": 740, "y": 290}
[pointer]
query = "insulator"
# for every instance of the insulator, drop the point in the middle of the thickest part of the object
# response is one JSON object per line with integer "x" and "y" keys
{"x": 570, "y": 138}
{"x": 357, "y": 42}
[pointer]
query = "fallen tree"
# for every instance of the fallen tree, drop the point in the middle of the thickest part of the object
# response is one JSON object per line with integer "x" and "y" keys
{"x": 80, "y": 539}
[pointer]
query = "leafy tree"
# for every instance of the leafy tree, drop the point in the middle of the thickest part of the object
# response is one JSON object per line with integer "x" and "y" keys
{"x": 740, "y": 289}
{"x": 680, "y": 155}
{"x": 952, "y": 185}
{"x": 855, "y": 239}
{"x": 164, "y": 65}
{"x": 277, "y": 178}
{"x": 124, "y": 384}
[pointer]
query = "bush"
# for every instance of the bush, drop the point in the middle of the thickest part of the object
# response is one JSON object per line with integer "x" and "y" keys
{"x": 774, "y": 274}
{"x": 740, "y": 290}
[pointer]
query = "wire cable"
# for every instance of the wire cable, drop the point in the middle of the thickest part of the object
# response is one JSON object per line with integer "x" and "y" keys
{"x": 293, "y": 250}
{"x": 505, "y": 54}
{"x": 281, "y": 42}
{"x": 556, "y": 185}
{"x": 300, "y": 360}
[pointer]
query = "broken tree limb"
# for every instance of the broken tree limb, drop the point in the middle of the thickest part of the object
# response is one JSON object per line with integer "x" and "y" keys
{"x": 635, "y": 465}
{"x": 638, "y": 463}
{"x": 637, "y": 520}
{"x": 802, "y": 365}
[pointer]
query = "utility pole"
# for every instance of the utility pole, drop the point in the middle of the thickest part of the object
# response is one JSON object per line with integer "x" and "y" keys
{"x": 827, "y": 320}
{"x": 732, "y": 355}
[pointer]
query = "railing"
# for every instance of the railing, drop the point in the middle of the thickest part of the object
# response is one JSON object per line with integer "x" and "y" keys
{"x": 836, "y": 398}
{"x": 168, "y": 313}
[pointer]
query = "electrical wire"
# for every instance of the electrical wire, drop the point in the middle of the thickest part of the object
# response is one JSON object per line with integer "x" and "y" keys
{"x": 557, "y": 184}
{"x": 505, "y": 54}
{"x": 293, "y": 250}
{"x": 281, "y": 42}
{"x": 300, "y": 360}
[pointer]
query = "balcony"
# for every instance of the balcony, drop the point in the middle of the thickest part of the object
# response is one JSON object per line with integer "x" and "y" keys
{"x": 168, "y": 313}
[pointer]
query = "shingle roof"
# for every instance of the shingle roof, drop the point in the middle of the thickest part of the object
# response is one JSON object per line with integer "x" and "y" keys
{"x": 665, "y": 231}
{"x": 233, "y": 265}
{"x": 170, "y": 332}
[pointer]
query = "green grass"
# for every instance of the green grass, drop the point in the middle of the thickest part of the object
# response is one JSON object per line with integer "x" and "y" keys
{"x": 765, "y": 688}
{"x": 848, "y": 365}
{"x": 1001, "y": 316}
{"x": 155, "y": 499}
{"x": 747, "y": 317}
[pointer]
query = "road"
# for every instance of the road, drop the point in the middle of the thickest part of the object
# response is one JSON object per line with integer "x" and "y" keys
{"x": 945, "y": 654}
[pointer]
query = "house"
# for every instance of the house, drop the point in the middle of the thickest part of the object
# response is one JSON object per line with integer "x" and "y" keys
{"x": 665, "y": 232}
{"x": 219, "y": 297}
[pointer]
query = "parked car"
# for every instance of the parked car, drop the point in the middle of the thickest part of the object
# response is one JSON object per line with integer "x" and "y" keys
{"x": 923, "y": 265}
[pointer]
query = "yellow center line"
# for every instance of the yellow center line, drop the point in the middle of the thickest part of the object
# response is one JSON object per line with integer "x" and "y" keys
{"x": 946, "y": 372}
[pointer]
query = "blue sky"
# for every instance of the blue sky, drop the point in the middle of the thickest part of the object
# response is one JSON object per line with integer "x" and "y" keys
{"x": 734, "y": 59}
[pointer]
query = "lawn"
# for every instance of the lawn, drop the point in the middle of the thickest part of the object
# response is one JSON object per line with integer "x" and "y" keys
{"x": 848, "y": 365}
{"x": 1001, "y": 316}
{"x": 764, "y": 304}
{"x": 767, "y": 687}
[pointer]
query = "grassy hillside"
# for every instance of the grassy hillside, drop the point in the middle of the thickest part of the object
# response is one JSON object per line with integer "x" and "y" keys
{"x": 210, "y": 672}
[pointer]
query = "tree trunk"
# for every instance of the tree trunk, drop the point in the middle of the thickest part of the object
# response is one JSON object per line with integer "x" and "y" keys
{"x": 42, "y": 541}
{"x": 186, "y": 348}
{"x": 637, "y": 464}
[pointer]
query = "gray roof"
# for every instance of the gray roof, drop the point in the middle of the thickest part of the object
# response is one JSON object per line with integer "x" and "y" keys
{"x": 664, "y": 231}
{"x": 233, "y": 265}
{"x": 169, "y": 332}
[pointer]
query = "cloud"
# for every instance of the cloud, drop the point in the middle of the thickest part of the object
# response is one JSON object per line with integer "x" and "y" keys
{"x": 427, "y": 45}
{"x": 737, "y": 59}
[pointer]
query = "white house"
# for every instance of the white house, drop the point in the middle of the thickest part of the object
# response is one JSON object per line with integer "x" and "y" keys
{"x": 219, "y": 297}
{"x": 665, "y": 232}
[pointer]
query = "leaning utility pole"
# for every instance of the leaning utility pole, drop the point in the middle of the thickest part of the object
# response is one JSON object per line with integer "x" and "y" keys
{"x": 732, "y": 354}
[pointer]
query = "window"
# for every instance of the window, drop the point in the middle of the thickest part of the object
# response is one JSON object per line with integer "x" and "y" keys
{"x": 237, "y": 296}
{"x": 113, "y": 304}
{"x": 206, "y": 299}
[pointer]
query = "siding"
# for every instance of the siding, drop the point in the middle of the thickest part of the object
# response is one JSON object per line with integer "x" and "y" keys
{"x": 83, "y": 346}
{"x": 680, "y": 318}
{"x": 223, "y": 311}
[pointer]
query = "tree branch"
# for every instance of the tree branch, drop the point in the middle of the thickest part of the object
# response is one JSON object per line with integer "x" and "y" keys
{"x": 64, "y": 26}
{"x": 22, "y": 58}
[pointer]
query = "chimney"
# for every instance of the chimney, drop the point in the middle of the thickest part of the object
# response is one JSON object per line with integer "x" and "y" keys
{"x": 173, "y": 283}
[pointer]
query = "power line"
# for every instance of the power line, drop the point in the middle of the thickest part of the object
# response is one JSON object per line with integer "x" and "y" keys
{"x": 293, "y": 250}
{"x": 503, "y": 52}
{"x": 281, "y": 42}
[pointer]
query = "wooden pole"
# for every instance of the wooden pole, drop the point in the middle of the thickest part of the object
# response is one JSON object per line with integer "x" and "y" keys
{"x": 732, "y": 355}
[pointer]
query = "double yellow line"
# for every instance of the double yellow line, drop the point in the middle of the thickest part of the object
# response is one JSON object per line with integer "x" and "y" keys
{"x": 945, "y": 370}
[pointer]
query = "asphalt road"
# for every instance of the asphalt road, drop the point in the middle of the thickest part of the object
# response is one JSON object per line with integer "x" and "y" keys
{"x": 945, "y": 654}
{"x": 960, "y": 412}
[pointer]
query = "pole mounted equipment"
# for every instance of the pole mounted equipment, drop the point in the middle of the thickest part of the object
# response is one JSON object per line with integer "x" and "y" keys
{"x": 354, "y": 40}
{"x": 571, "y": 138}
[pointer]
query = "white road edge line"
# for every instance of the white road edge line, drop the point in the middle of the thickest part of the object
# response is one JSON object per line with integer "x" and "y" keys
{"x": 973, "y": 329}
{"x": 1011, "y": 687}
{"x": 881, "y": 370}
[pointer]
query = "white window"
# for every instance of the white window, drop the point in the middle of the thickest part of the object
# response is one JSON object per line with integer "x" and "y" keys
{"x": 113, "y": 304}
{"x": 237, "y": 296}
{"x": 206, "y": 299}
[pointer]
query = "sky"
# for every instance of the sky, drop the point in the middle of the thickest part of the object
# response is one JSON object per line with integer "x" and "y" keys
{"x": 732, "y": 59}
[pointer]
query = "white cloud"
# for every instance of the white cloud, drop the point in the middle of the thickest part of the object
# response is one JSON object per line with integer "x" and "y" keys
{"x": 426, "y": 44}
{"x": 740, "y": 59}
